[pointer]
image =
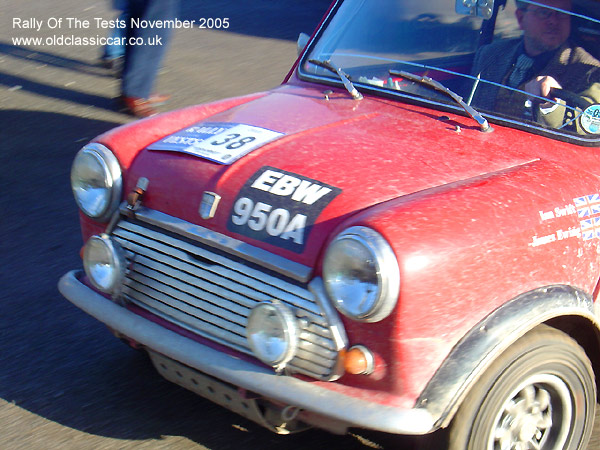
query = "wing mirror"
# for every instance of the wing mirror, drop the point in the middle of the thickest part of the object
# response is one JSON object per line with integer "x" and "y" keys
{"x": 303, "y": 39}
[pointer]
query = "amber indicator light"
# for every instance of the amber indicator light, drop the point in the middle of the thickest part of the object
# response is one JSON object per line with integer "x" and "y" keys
{"x": 358, "y": 360}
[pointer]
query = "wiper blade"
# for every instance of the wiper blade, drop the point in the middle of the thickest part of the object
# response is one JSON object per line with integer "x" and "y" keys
{"x": 422, "y": 79}
{"x": 340, "y": 73}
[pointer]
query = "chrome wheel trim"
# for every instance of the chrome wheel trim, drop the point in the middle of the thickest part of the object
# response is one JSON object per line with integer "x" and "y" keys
{"x": 527, "y": 419}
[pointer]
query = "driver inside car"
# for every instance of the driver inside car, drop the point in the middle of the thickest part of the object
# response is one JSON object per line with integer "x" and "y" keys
{"x": 543, "y": 58}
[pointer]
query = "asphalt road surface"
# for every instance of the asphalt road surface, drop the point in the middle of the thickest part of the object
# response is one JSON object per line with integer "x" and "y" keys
{"x": 65, "y": 382}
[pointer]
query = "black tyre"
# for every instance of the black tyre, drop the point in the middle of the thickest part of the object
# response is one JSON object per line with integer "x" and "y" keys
{"x": 539, "y": 394}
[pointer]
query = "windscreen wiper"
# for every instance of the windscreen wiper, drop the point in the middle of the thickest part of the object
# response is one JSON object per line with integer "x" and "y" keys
{"x": 340, "y": 73}
{"x": 422, "y": 79}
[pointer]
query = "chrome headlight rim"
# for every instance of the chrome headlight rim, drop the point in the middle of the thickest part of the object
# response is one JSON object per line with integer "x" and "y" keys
{"x": 288, "y": 325}
{"x": 387, "y": 274}
{"x": 117, "y": 263}
{"x": 112, "y": 176}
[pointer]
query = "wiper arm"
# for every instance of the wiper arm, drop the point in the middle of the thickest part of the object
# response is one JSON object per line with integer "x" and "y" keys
{"x": 475, "y": 115}
{"x": 340, "y": 73}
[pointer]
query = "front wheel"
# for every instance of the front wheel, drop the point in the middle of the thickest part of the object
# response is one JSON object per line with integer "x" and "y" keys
{"x": 539, "y": 394}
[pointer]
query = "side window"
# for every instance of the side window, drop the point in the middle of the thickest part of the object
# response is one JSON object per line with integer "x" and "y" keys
{"x": 507, "y": 26}
{"x": 548, "y": 78}
{"x": 586, "y": 33}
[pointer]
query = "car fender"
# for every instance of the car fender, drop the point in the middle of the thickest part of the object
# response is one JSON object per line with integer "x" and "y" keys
{"x": 467, "y": 252}
{"x": 476, "y": 351}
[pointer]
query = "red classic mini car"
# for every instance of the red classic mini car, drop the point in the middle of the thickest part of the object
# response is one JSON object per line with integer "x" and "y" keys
{"x": 404, "y": 236}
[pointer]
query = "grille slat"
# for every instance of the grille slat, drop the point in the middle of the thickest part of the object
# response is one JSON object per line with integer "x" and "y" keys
{"x": 187, "y": 321}
{"x": 170, "y": 304}
{"x": 319, "y": 331}
{"x": 317, "y": 345}
{"x": 188, "y": 299}
{"x": 179, "y": 261}
{"x": 211, "y": 293}
{"x": 216, "y": 258}
{"x": 309, "y": 368}
{"x": 319, "y": 360}
{"x": 143, "y": 245}
{"x": 194, "y": 275}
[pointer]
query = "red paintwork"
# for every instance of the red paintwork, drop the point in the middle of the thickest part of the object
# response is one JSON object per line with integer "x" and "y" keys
{"x": 331, "y": 141}
{"x": 460, "y": 208}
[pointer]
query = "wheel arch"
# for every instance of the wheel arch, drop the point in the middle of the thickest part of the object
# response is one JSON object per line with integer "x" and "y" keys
{"x": 587, "y": 334}
{"x": 563, "y": 307}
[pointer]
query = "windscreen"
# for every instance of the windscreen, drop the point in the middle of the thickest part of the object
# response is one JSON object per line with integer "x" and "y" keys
{"x": 532, "y": 64}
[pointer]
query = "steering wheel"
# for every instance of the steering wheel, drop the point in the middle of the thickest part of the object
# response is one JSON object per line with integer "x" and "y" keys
{"x": 571, "y": 98}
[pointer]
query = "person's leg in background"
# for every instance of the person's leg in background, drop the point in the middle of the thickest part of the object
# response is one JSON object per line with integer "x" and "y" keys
{"x": 142, "y": 62}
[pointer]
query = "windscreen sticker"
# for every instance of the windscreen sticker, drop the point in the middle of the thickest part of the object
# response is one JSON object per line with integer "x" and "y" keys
{"x": 590, "y": 119}
{"x": 279, "y": 207}
{"x": 587, "y": 209}
{"x": 221, "y": 142}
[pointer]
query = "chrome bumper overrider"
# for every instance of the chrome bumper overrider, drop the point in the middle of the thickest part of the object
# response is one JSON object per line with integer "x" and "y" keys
{"x": 285, "y": 389}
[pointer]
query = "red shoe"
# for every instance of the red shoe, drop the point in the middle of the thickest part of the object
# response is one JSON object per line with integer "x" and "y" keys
{"x": 137, "y": 107}
{"x": 158, "y": 99}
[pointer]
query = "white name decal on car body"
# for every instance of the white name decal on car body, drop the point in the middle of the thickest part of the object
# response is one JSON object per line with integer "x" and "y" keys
{"x": 587, "y": 210}
{"x": 279, "y": 207}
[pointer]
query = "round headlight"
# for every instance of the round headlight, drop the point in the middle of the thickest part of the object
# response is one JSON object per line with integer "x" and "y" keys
{"x": 104, "y": 263}
{"x": 361, "y": 274}
{"x": 96, "y": 181}
{"x": 272, "y": 333}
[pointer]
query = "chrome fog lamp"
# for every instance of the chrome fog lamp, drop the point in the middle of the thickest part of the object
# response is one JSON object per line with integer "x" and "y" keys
{"x": 272, "y": 333}
{"x": 96, "y": 181}
{"x": 104, "y": 263}
{"x": 361, "y": 274}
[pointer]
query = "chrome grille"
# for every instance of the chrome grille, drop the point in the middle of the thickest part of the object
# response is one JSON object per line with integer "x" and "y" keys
{"x": 211, "y": 293}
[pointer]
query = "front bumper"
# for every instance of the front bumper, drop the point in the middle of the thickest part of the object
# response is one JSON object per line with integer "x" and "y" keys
{"x": 284, "y": 389}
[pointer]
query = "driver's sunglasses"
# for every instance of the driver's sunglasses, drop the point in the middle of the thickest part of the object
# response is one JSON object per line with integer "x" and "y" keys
{"x": 546, "y": 13}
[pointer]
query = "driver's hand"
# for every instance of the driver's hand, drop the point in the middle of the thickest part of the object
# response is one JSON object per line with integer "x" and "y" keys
{"x": 541, "y": 86}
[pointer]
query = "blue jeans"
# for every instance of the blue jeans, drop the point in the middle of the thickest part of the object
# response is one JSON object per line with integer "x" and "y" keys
{"x": 116, "y": 50}
{"x": 142, "y": 62}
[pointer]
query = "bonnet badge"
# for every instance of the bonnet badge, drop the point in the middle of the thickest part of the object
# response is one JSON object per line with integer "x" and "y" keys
{"x": 209, "y": 204}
